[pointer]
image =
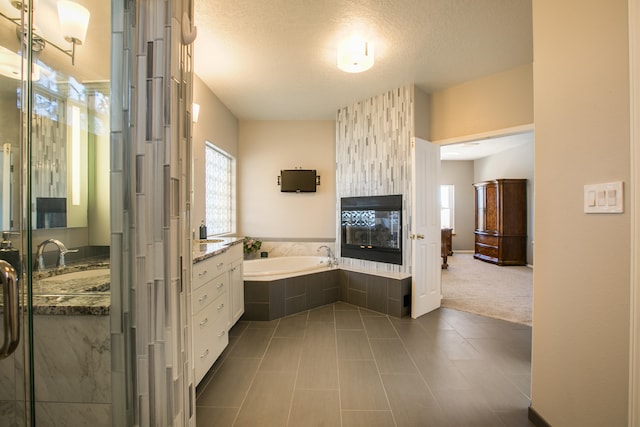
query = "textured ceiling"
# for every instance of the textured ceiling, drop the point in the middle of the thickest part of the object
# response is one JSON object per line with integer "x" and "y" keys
{"x": 276, "y": 59}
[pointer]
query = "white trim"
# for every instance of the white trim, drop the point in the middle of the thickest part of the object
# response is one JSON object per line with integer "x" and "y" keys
{"x": 486, "y": 135}
{"x": 634, "y": 204}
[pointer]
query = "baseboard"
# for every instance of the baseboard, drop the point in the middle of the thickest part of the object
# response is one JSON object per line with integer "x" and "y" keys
{"x": 537, "y": 419}
{"x": 463, "y": 251}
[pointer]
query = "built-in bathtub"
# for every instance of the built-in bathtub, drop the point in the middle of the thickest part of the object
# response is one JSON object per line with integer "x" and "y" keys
{"x": 283, "y": 267}
{"x": 281, "y": 286}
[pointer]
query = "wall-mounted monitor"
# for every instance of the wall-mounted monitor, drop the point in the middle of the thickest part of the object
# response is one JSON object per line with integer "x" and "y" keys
{"x": 298, "y": 181}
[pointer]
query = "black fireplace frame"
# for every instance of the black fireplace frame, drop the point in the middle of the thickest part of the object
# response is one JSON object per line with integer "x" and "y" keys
{"x": 372, "y": 252}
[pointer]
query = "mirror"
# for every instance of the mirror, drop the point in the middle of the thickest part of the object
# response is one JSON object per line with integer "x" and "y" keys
{"x": 70, "y": 120}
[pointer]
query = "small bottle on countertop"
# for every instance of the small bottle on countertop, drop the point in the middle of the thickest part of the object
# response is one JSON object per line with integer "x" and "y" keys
{"x": 203, "y": 231}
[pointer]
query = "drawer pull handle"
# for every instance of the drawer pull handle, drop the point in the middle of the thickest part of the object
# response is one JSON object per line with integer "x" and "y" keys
{"x": 205, "y": 321}
{"x": 202, "y": 273}
{"x": 205, "y": 354}
{"x": 220, "y": 307}
{"x": 220, "y": 285}
{"x": 202, "y": 298}
{"x": 221, "y": 334}
{"x": 220, "y": 264}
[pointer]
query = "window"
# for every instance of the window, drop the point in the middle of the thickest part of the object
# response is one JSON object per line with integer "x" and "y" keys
{"x": 220, "y": 191}
{"x": 446, "y": 206}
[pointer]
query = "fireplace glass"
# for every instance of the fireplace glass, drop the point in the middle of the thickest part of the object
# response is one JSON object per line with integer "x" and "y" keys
{"x": 372, "y": 228}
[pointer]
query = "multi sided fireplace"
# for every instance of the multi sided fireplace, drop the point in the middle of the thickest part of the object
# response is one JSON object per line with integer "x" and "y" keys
{"x": 372, "y": 228}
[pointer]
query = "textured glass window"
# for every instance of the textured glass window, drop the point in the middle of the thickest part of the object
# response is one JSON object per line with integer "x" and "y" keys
{"x": 219, "y": 196}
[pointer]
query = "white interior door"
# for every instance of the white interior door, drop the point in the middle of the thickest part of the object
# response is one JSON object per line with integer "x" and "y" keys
{"x": 425, "y": 229}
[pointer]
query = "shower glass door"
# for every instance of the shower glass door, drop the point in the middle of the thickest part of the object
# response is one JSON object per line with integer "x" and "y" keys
{"x": 55, "y": 215}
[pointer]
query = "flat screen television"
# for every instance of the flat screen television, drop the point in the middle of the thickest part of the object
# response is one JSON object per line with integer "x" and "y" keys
{"x": 298, "y": 181}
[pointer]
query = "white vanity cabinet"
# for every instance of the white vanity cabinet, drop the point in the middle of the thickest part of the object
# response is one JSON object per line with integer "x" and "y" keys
{"x": 217, "y": 302}
{"x": 236, "y": 285}
{"x": 210, "y": 312}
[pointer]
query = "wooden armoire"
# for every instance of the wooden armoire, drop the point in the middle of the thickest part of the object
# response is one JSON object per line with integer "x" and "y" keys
{"x": 501, "y": 221}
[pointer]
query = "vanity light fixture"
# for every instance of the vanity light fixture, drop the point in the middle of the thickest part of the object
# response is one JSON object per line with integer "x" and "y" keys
{"x": 74, "y": 22}
{"x": 355, "y": 55}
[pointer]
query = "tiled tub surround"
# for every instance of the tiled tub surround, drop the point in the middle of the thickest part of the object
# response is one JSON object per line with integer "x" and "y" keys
{"x": 388, "y": 293}
{"x": 272, "y": 298}
{"x": 281, "y": 248}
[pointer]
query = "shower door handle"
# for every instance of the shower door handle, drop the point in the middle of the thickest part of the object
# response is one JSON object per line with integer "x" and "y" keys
{"x": 9, "y": 281}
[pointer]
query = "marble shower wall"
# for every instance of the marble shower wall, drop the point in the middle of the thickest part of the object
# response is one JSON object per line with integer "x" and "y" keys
{"x": 373, "y": 158}
{"x": 278, "y": 248}
{"x": 150, "y": 169}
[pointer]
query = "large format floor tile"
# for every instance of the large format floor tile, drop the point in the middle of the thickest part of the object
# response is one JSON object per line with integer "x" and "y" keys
{"x": 343, "y": 366}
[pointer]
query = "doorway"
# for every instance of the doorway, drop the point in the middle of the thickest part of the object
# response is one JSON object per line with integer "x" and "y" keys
{"x": 506, "y": 154}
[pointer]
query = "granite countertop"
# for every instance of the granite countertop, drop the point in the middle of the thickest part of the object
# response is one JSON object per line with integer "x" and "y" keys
{"x": 82, "y": 289}
{"x": 203, "y": 249}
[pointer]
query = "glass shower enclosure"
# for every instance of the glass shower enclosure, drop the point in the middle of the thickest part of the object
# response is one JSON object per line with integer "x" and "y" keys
{"x": 55, "y": 305}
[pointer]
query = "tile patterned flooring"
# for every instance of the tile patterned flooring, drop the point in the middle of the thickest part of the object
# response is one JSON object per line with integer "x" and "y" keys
{"x": 341, "y": 365}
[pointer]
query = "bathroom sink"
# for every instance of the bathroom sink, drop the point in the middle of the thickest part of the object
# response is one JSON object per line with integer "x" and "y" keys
{"x": 52, "y": 299}
{"x": 79, "y": 275}
{"x": 75, "y": 282}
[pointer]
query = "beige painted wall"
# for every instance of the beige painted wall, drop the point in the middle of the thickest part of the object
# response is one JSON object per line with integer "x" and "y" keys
{"x": 217, "y": 125}
{"x": 422, "y": 116}
{"x": 514, "y": 163}
{"x": 498, "y": 101}
{"x": 265, "y": 148}
{"x": 460, "y": 174}
{"x": 580, "y": 361}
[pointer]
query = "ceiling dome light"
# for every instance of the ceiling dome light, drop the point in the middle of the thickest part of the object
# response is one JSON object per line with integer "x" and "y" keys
{"x": 355, "y": 55}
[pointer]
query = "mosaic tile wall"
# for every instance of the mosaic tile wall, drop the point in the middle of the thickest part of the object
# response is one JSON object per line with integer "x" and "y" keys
{"x": 49, "y": 155}
{"x": 373, "y": 158}
{"x": 150, "y": 246}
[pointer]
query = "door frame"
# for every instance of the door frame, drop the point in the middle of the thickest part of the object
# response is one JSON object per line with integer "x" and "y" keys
{"x": 634, "y": 106}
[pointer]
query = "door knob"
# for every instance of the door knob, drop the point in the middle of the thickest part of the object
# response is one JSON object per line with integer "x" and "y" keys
{"x": 420, "y": 236}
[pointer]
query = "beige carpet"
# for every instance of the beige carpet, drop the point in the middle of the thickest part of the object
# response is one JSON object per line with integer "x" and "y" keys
{"x": 486, "y": 289}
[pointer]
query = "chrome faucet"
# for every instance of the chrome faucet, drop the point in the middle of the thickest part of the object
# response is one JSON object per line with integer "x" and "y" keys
{"x": 62, "y": 251}
{"x": 330, "y": 255}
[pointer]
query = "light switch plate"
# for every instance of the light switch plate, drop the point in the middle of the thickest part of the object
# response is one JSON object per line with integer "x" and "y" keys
{"x": 604, "y": 198}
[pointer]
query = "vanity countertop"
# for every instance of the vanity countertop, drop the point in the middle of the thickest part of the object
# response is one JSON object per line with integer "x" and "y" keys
{"x": 68, "y": 291}
{"x": 204, "y": 249}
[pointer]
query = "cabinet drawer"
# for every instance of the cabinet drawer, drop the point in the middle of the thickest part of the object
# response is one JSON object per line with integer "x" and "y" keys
{"x": 210, "y": 336}
{"x": 487, "y": 240}
{"x": 204, "y": 295}
{"x": 206, "y": 270}
{"x": 208, "y": 320}
{"x": 487, "y": 251}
